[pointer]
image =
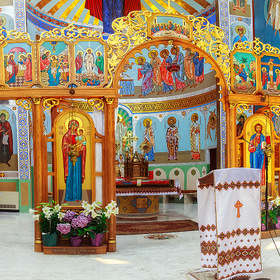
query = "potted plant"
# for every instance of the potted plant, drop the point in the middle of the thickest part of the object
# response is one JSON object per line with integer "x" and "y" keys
{"x": 273, "y": 213}
{"x": 49, "y": 216}
{"x": 73, "y": 226}
{"x": 100, "y": 220}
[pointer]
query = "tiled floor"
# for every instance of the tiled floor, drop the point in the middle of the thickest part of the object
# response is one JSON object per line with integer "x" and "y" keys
{"x": 136, "y": 257}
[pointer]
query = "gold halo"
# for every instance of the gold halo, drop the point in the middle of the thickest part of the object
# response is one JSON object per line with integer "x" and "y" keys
{"x": 194, "y": 115}
{"x": 21, "y": 55}
{"x": 164, "y": 51}
{"x": 173, "y": 49}
{"x": 4, "y": 20}
{"x": 241, "y": 115}
{"x": 153, "y": 51}
{"x": 171, "y": 118}
{"x": 81, "y": 128}
{"x": 11, "y": 54}
{"x": 242, "y": 65}
{"x": 88, "y": 50}
{"x": 78, "y": 119}
{"x": 80, "y": 52}
{"x": 277, "y": 71}
{"x": 98, "y": 52}
{"x": 264, "y": 69}
{"x": 28, "y": 54}
{"x": 137, "y": 58}
{"x": 147, "y": 120}
{"x": 238, "y": 26}
{"x": 6, "y": 113}
{"x": 120, "y": 117}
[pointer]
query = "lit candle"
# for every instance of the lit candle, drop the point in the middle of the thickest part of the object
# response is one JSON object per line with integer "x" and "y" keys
{"x": 267, "y": 140}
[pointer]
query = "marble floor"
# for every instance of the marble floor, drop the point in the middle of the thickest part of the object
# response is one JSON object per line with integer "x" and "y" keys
{"x": 137, "y": 258}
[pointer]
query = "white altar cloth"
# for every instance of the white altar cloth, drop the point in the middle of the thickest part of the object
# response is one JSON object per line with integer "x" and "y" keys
{"x": 229, "y": 218}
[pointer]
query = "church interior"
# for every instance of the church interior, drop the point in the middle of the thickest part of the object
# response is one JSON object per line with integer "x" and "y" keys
{"x": 132, "y": 113}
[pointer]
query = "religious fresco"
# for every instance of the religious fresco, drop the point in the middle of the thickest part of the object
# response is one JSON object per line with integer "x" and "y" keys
{"x": 6, "y": 20}
{"x": 161, "y": 70}
{"x": 244, "y": 72}
{"x": 8, "y": 140}
{"x": 74, "y": 174}
{"x": 267, "y": 25}
{"x": 54, "y": 63}
{"x": 241, "y": 32}
{"x": 270, "y": 72}
{"x": 161, "y": 25}
{"x": 240, "y": 7}
{"x": 90, "y": 63}
{"x": 18, "y": 64}
{"x": 211, "y": 127}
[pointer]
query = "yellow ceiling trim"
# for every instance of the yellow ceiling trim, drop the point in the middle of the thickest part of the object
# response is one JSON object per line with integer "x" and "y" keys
{"x": 69, "y": 9}
{"x": 152, "y": 6}
{"x": 143, "y": 7}
{"x": 96, "y": 21}
{"x": 79, "y": 12}
{"x": 87, "y": 17}
{"x": 187, "y": 7}
{"x": 56, "y": 7}
{"x": 203, "y": 3}
{"x": 42, "y": 3}
{"x": 164, "y": 5}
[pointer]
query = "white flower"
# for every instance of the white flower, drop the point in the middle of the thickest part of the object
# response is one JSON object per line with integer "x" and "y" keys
{"x": 96, "y": 204}
{"x": 60, "y": 215}
{"x": 276, "y": 201}
{"x": 46, "y": 210}
{"x": 84, "y": 204}
{"x": 57, "y": 208}
{"x": 107, "y": 215}
{"x": 48, "y": 215}
{"x": 32, "y": 211}
{"x": 36, "y": 217}
{"x": 94, "y": 214}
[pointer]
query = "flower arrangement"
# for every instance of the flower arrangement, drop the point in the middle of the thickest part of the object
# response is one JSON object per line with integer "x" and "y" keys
{"x": 273, "y": 211}
{"x": 92, "y": 220}
{"x": 100, "y": 217}
{"x": 48, "y": 215}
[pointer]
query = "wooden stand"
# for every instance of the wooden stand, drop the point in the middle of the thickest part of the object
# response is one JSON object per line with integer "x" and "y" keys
{"x": 266, "y": 234}
{"x": 65, "y": 249}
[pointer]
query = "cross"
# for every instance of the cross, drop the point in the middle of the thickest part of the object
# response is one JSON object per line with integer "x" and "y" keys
{"x": 169, "y": 9}
{"x": 238, "y": 205}
{"x": 129, "y": 138}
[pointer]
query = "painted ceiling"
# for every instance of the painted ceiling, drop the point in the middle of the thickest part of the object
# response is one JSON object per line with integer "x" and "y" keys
{"x": 57, "y": 11}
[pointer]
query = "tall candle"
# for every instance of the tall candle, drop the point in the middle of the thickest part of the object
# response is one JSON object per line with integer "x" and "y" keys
{"x": 267, "y": 140}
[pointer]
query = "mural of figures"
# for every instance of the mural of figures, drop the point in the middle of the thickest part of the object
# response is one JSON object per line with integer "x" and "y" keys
{"x": 17, "y": 59}
{"x": 178, "y": 76}
{"x": 99, "y": 62}
{"x": 190, "y": 68}
{"x": 6, "y": 19}
{"x": 256, "y": 146}
{"x": 212, "y": 125}
{"x": 156, "y": 64}
{"x": 74, "y": 172}
{"x": 120, "y": 132}
{"x": 270, "y": 69}
{"x": 6, "y": 138}
{"x": 195, "y": 137}
{"x": 171, "y": 26}
{"x": 273, "y": 15}
{"x": 166, "y": 76}
{"x": 149, "y": 139}
{"x": 172, "y": 138}
{"x": 244, "y": 72}
{"x": 89, "y": 63}
{"x": 146, "y": 73}
{"x": 240, "y": 30}
{"x": 241, "y": 118}
{"x": 54, "y": 63}
{"x": 165, "y": 69}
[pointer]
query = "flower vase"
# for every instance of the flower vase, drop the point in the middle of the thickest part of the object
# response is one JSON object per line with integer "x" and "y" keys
{"x": 50, "y": 239}
{"x": 76, "y": 241}
{"x": 278, "y": 223}
{"x": 97, "y": 241}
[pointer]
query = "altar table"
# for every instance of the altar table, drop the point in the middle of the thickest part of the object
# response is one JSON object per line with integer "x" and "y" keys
{"x": 139, "y": 200}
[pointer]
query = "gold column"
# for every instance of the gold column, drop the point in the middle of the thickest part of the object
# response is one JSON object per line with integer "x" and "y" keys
{"x": 231, "y": 136}
{"x": 109, "y": 159}
{"x": 40, "y": 166}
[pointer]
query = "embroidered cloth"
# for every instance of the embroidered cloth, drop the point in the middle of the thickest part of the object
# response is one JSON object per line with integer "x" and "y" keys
{"x": 229, "y": 219}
